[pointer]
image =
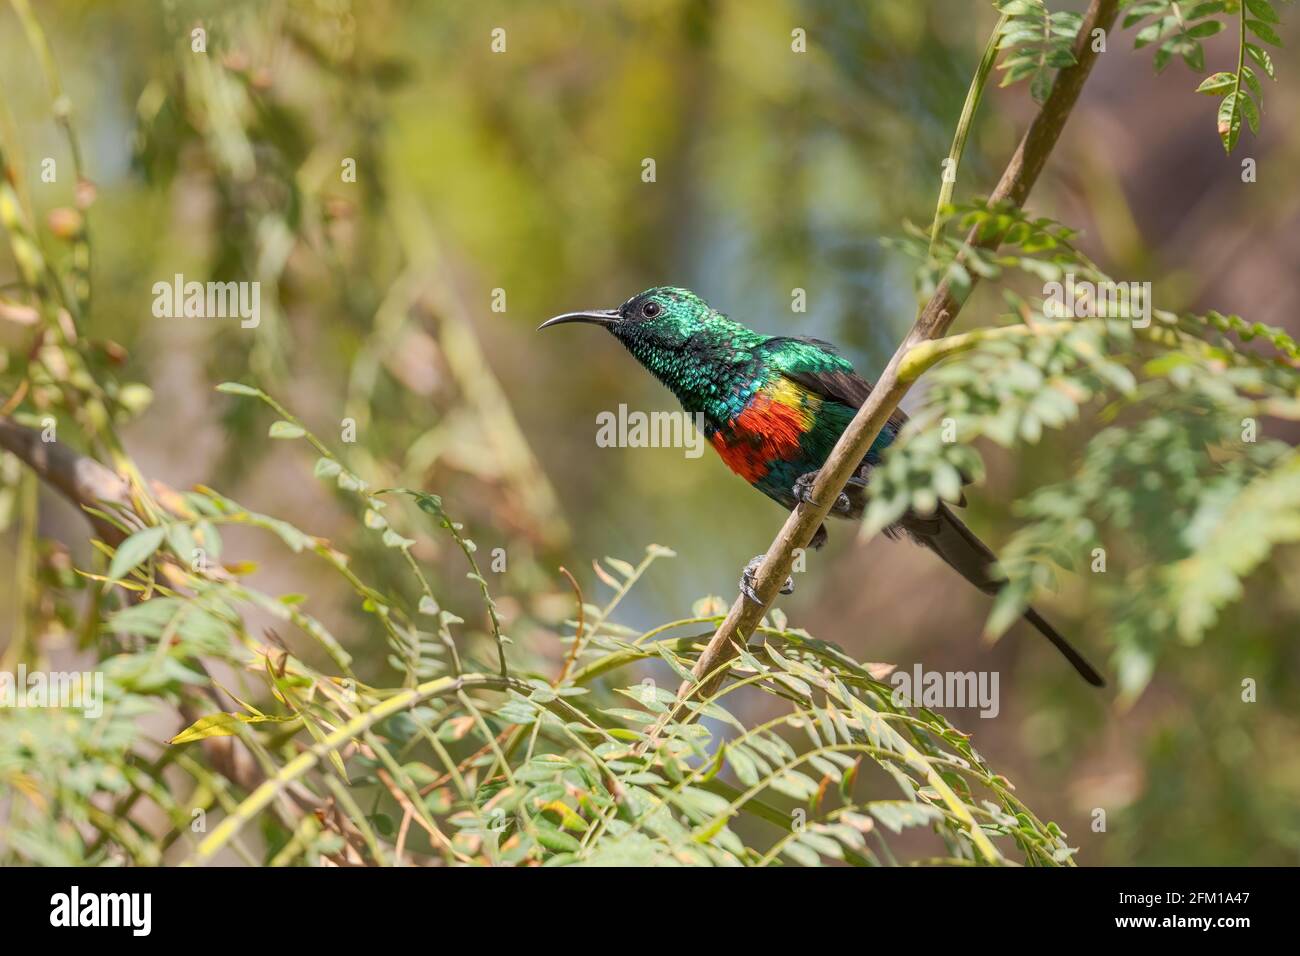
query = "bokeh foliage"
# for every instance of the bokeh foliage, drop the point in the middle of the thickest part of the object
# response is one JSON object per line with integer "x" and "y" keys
{"x": 323, "y": 615}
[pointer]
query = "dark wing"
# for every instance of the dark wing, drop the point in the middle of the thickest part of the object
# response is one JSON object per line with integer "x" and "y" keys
{"x": 828, "y": 375}
{"x": 836, "y": 380}
{"x": 843, "y": 387}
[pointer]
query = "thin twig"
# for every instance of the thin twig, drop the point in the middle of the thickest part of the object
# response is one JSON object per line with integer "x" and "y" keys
{"x": 577, "y": 634}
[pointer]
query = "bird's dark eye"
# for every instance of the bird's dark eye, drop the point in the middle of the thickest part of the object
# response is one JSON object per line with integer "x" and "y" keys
{"x": 650, "y": 309}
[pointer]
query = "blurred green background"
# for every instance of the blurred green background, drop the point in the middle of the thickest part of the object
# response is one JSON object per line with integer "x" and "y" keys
{"x": 521, "y": 171}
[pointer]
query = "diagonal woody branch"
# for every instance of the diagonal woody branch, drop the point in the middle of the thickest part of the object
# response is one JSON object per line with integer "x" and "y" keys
{"x": 83, "y": 481}
{"x": 932, "y": 323}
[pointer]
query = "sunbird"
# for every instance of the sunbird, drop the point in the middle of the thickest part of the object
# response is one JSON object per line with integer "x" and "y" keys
{"x": 773, "y": 407}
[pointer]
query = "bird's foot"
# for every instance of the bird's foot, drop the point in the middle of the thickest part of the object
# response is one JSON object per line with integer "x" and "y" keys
{"x": 747, "y": 580}
{"x": 803, "y": 486}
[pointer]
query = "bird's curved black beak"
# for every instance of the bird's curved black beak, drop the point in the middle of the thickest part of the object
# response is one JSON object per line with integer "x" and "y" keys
{"x": 606, "y": 317}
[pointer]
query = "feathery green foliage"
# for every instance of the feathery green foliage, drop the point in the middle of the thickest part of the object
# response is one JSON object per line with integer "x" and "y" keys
{"x": 1039, "y": 42}
{"x": 1169, "y": 488}
{"x": 492, "y": 767}
{"x": 1177, "y": 29}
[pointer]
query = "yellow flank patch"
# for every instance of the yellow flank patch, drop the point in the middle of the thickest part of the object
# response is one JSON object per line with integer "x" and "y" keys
{"x": 794, "y": 395}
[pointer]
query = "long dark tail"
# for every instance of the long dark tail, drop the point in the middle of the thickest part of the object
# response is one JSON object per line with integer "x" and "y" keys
{"x": 946, "y": 535}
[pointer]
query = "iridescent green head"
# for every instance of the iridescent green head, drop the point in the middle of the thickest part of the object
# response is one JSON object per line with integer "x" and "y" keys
{"x": 678, "y": 337}
{"x": 664, "y": 317}
{"x": 663, "y": 321}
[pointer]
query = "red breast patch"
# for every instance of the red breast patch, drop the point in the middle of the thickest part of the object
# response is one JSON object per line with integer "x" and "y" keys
{"x": 768, "y": 430}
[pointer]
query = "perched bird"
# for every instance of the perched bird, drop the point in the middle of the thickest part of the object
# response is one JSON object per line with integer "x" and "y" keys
{"x": 773, "y": 407}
